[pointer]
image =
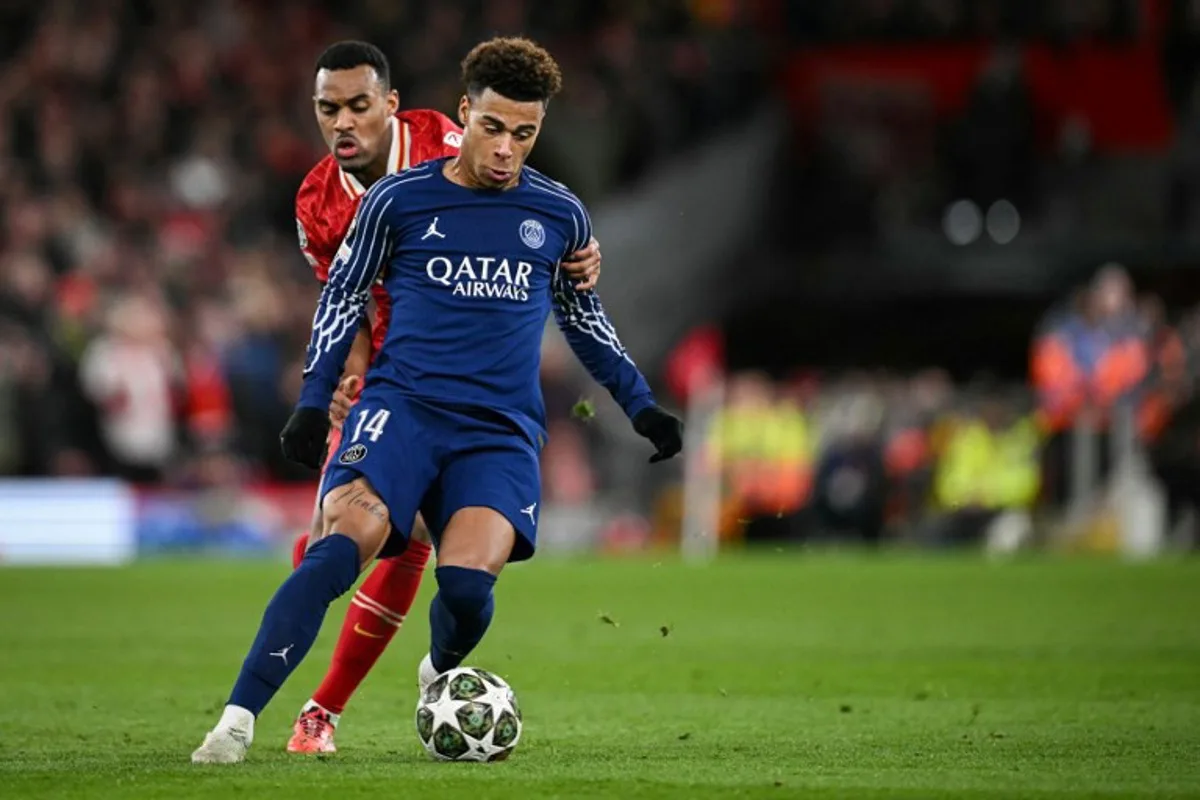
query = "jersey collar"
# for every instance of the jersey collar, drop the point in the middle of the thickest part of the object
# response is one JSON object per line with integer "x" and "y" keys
{"x": 399, "y": 158}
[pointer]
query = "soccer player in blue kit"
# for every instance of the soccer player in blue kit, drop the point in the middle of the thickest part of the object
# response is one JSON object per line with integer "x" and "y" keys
{"x": 451, "y": 418}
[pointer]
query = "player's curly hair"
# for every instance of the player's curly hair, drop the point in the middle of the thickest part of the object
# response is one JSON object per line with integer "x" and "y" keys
{"x": 513, "y": 67}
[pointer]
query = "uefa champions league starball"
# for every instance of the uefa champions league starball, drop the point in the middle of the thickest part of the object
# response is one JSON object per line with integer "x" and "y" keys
{"x": 469, "y": 714}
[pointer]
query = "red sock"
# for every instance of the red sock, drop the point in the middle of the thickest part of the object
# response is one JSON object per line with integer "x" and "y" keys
{"x": 375, "y": 614}
{"x": 299, "y": 547}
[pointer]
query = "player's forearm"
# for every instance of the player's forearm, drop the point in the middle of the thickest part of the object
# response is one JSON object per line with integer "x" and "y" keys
{"x": 616, "y": 373}
{"x": 335, "y": 328}
{"x": 360, "y": 351}
{"x": 595, "y": 343}
{"x": 343, "y": 303}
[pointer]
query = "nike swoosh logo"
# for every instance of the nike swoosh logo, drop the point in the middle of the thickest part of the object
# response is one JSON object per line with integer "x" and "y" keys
{"x": 359, "y": 630}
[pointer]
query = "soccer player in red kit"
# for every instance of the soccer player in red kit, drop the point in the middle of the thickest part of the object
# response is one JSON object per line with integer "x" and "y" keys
{"x": 368, "y": 137}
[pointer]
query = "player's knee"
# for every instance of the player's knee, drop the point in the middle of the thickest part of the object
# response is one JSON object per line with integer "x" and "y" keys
{"x": 477, "y": 538}
{"x": 356, "y": 511}
{"x": 466, "y": 593}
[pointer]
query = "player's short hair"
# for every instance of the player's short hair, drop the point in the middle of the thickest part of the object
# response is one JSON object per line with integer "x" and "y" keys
{"x": 513, "y": 67}
{"x": 350, "y": 54}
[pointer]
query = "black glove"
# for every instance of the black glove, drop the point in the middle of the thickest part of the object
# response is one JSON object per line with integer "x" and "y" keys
{"x": 303, "y": 438}
{"x": 663, "y": 429}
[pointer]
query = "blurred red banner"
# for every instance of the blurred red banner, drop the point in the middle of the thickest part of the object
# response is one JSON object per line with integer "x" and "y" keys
{"x": 1118, "y": 90}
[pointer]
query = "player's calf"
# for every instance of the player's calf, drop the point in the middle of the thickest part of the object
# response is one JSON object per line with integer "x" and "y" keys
{"x": 376, "y": 612}
{"x": 459, "y": 614}
{"x": 475, "y": 546}
{"x": 358, "y": 524}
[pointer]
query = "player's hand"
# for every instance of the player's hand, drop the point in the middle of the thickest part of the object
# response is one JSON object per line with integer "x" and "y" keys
{"x": 663, "y": 429}
{"x": 303, "y": 438}
{"x": 584, "y": 266}
{"x": 344, "y": 397}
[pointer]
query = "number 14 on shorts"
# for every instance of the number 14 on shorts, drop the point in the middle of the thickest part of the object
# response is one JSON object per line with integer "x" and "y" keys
{"x": 371, "y": 423}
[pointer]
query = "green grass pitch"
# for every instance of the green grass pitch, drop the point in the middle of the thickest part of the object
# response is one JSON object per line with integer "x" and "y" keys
{"x": 773, "y": 675}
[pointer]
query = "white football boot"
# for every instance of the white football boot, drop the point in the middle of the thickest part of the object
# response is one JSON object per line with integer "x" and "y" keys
{"x": 228, "y": 742}
{"x": 426, "y": 674}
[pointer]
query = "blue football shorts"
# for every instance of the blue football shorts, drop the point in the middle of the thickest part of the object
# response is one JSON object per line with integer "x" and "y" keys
{"x": 437, "y": 459}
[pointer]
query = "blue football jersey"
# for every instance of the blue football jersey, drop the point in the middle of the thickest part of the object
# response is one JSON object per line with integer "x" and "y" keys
{"x": 472, "y": 275}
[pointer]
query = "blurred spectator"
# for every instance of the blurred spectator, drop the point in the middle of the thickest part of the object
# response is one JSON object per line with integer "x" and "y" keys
{"x": 763, "y": 444}
{"x": 131, "y": 373}
{"x": 208, "y": 405}
{"x": 850, "y": 489}
{"x": 1175, "y": 452}
{"x": 1166, "y": 381}
{"x": 990, "y": 466}
{"x": 1175, "y": 457}
{"x": 1085, "y": 361}
{"x": 917, "y": 412}
{"x": 255, "y": 356}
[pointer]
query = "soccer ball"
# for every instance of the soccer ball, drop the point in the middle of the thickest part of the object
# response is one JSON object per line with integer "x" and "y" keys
{"x": 469, "y": 714}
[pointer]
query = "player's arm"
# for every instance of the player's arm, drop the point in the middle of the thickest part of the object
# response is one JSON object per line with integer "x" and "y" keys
{"x": 343, "y": 304}
{"x": 581, "y": 318}
{"x": 309, "y": 202}
{"x": 346, "y": 393}
{"x": 360, "y": 351}
{"x": 340, "y": 312}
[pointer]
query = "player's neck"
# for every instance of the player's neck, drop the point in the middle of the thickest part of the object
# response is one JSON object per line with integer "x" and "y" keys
{"x": 456, "y": 172}
{"x": 372, "y": 172}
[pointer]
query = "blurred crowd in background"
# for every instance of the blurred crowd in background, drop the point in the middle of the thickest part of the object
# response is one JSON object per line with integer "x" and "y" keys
{"x": 154, "y": 307}
{"x": 874, "y": 455}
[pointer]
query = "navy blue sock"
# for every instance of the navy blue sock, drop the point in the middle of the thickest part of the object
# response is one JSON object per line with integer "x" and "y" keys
{"x": 459, "y": 614}
{"x": 293, "y": 618}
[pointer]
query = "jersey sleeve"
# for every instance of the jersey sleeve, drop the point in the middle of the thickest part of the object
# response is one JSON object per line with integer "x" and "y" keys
{"x": 343, "y": 304}
{"x": 592, "y": 337}
{"x": 307, "y": 202}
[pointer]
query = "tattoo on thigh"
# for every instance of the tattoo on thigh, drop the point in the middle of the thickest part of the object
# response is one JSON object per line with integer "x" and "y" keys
{"x": 356, "y": 497}
{"x": 373, "y": 507}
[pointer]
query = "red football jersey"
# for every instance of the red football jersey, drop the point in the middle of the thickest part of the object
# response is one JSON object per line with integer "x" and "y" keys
{"x": 328, "y": 197}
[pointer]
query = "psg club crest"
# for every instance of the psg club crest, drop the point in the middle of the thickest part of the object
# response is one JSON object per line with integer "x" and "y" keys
{"x": 353, "y": 454}
{"x": 533, "y": 234}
